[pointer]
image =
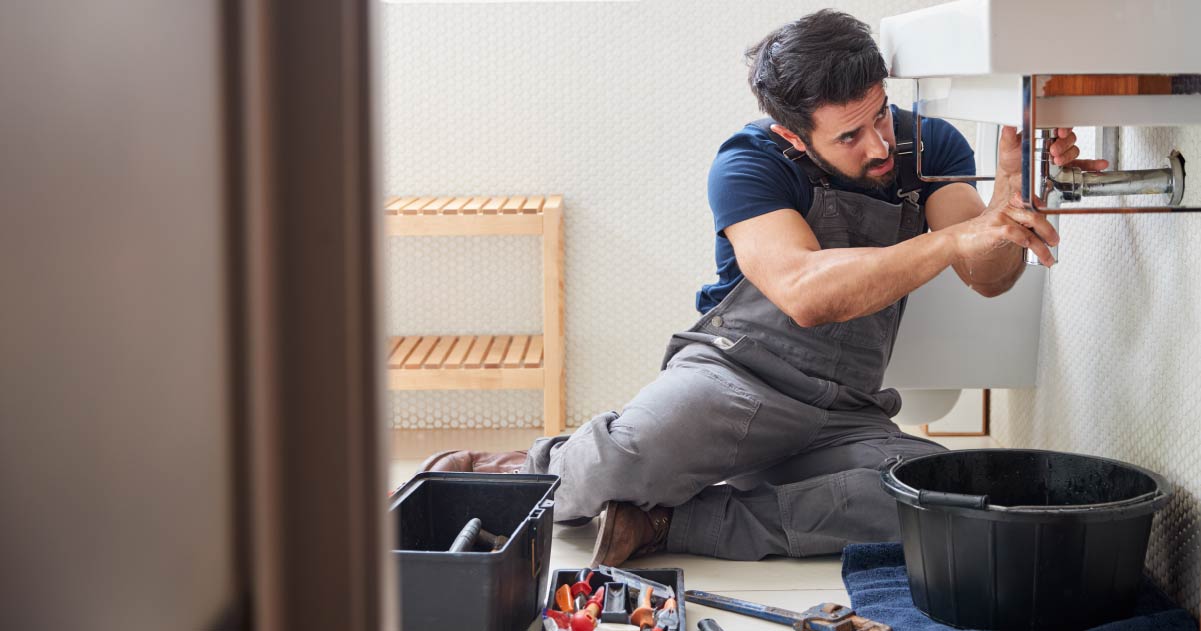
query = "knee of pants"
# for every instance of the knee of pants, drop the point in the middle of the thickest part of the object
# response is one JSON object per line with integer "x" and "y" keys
{"x": 870, "y": 505}
{"x": 910, "y": 446}
{"x": 679, "y": 435}
{"x": 613, "y": 457}
{"x": 650, "y": 477}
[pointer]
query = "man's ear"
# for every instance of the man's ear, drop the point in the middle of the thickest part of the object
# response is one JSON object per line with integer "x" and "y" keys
{"x": 789, "y": 136}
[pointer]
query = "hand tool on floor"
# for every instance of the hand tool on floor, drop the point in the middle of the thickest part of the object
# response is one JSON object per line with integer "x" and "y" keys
{"x": 616, "y": 603}
{"x": 467, "y": 535}
{"x": 836, "y": 617}
{"x": 582, "y": 588}
{"x": 667, "y": 618}
{"x": 708, "y": 624}
{"x": 563, "y": 599}
{"x": 823, "y": 617}
{"x": 637, "y": 582}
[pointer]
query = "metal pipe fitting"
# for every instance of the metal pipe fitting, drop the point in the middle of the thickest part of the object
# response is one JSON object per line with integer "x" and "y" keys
{"x": 1071, "y": 184}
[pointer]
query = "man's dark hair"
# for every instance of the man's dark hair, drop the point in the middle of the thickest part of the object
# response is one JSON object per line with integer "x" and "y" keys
{"x": 824, "y": 58}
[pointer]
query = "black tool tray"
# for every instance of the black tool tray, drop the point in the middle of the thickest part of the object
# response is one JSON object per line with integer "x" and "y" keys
{"x": 484, "y": 591}
{"x": 672, "y": 576}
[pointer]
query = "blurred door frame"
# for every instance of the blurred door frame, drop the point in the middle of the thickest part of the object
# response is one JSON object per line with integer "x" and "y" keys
{"x": 303, "y": 275}
{"x": 190, "y": 387}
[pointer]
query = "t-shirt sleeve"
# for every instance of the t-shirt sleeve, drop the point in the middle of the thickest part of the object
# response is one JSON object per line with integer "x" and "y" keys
{"x": 946, "y": 153}
{"x": 746, "y": 181}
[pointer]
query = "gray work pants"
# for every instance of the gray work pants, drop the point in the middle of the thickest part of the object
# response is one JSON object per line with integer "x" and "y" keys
{"x": 801, "y": 480}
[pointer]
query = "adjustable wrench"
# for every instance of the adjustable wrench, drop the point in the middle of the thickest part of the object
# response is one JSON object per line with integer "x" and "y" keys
{"x": 823, "y": 617}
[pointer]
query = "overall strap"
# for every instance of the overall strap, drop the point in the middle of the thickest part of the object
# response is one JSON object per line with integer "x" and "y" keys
{"x": 909, "y": 186}
{"x": 816, "y": 175}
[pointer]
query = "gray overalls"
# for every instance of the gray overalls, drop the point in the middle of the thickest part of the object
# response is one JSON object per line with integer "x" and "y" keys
{"x": 792, "y": 418}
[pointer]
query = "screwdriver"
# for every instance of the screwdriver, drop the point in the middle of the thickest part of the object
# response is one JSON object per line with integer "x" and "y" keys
{"x": 582, "y": 588}
{"x": 585, "y": 619}
{"x": 644, "y": 616}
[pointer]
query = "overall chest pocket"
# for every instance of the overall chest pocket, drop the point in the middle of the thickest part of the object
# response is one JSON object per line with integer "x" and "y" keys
{"x": 849, "y": 228}
{"x": 870, "y": 331}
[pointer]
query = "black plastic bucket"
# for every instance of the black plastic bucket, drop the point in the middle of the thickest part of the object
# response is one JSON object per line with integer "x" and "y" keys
{"x": 1023, "y": 539}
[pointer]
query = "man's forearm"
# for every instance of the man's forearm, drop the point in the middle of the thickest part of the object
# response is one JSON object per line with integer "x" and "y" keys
{"x": 994, "y": 275}
{"x": 839, "y": 284}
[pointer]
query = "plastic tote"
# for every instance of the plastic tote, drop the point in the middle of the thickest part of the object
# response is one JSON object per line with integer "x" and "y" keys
{"x": 481, "y": 591}
{"x": 1023, "y": 539}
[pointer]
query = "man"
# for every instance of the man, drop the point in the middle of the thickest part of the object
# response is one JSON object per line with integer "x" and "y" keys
{"x": 776, "y": 390}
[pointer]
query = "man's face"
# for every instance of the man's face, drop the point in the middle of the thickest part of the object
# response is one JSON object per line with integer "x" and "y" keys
{"x": 855, "y": 140}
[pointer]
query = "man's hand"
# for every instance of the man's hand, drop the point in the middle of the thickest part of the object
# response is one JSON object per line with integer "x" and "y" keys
{"x": 1064, "y": 152}
{"x": 1009, "y": 160}
{"x": 997, "y": 231}
{"x": 1007, "y": 222}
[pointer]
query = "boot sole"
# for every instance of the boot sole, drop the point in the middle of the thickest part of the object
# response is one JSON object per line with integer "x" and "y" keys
{"x": 604, "y": 535}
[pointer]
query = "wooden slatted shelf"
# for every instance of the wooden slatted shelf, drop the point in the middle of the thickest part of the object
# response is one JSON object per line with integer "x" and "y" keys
{"x": 466, "y": 362}
{"x": 446, "y": 215}
{"x": 487, "y": 362}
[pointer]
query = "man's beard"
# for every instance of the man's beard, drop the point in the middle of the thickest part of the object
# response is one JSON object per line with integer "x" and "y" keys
{"x": 862, "y": 180}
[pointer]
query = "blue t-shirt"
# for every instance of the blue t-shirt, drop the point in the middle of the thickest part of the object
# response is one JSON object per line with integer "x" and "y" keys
{"x": 751, "y": 177}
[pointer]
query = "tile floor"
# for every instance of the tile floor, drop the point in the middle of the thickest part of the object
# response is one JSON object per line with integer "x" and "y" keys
{"x": 795, "y": 584}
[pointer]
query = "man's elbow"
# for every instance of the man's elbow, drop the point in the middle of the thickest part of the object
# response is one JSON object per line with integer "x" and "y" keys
{"x": 807, "y": 316}
{"x": 806, "y": 322}
{"x": 993, "y": 290}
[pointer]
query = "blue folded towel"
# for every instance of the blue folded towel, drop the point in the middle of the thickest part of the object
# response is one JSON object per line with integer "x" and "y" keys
{"x": 874, "y": 574}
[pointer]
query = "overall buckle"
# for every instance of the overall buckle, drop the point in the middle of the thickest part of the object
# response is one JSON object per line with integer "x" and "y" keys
{"x": 906, "y": 148}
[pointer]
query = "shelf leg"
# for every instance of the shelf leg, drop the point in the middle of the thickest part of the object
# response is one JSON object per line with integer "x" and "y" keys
{"x": 554, "y": 393}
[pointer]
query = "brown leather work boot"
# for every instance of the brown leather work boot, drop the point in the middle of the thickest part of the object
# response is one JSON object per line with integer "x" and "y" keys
{"x": 477, "y": 461}
{"x": 628, "y": 532}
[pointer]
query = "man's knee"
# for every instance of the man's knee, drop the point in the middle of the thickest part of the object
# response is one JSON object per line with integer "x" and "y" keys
{"x": 869, "y": 506}
{"x": 680, "y": 434}
{"x": 615, "y": 457}
{"x": 910, "y": 446}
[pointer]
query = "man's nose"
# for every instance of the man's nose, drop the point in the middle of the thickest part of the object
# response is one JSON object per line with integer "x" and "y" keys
{"x": 877, "y": 147}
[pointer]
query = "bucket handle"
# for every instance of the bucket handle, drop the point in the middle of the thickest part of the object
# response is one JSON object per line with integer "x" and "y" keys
{"x": 938, "y": 498}
{"x": 930, "y": 498}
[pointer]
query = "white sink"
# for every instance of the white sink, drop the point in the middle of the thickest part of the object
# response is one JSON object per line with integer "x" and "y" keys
{"x": 1021, "y": 37}
{"x": 970, "y": 57}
